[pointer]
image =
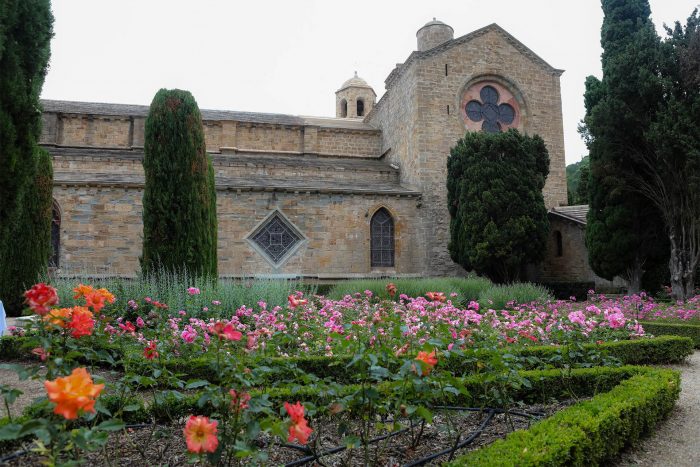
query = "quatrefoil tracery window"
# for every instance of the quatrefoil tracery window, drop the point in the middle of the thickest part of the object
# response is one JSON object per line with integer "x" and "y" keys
{"x": 488, "y": 110}
{"x": 276, "y": 238}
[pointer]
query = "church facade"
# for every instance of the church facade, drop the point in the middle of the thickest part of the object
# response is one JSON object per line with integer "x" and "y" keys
{"x": 357, "y": 195}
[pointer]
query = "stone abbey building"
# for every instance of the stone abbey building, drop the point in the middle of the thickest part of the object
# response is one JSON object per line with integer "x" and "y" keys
{"x": 357, "y": 195}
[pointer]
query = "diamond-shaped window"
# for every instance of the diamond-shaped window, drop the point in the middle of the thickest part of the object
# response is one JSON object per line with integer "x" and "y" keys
{"x": 276, "y": 238}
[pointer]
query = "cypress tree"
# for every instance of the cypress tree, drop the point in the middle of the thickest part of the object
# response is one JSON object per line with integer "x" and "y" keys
{"x": 179, "y": 200}
{"x": 624, "y": 234}
{"x": 494, "y": 190}
{"x": 25, "y": 170}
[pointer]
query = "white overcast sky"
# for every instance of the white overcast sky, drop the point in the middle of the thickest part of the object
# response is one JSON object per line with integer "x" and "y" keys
{"x": 291, "y": 56}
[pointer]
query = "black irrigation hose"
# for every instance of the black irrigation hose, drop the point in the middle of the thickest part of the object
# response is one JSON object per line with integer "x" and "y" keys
{"x": 335, "y": 450}
{"x": 517, "y": 413}
{"x": 23, "y": 452}
{"x": 472, "y": 436}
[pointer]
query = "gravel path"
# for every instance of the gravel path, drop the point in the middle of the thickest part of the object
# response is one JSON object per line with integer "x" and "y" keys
{"x": 676, "y": 441}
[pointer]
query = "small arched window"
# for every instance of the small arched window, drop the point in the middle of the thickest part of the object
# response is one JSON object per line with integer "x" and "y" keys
{"x": 55, "y": 235}
{"x": 344, "y": 108}
{"x": 559, "y": 243}
{"x": 382, "y": 239}
{"x": 360, "y": 107}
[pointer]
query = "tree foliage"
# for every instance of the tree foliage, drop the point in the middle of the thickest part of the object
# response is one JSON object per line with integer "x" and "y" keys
{"x": 179, "y": 200}
{"x": 624, "y": 232}
{"x": 26, "y": 28}
{"x": 670, "y": 177}
{"x": 494, "y": 190}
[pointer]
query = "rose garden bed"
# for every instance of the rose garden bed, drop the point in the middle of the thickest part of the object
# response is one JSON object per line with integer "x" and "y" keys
{"x": 325, "y": 374}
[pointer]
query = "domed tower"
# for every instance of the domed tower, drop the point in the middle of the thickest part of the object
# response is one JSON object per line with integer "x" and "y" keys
{"x": 433, "y": 34}
{"x": 354, "y": 99}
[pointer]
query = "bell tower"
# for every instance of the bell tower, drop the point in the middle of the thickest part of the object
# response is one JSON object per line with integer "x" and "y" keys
{"x": 354, "y": 99}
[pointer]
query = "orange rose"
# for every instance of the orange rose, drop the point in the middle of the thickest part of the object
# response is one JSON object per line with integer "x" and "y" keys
{"x": 430, "y": 359}
{"x": 82, "y": 290}
{"x": 73, "y": 394}
{"x": 81, "y": 321}
{"x": 58, "y": 317}
{"x": 299, "y": 428}
{"x": 40, "y": 298}
{"x": 95, "y": 300}
{"x": 200, "y": 434}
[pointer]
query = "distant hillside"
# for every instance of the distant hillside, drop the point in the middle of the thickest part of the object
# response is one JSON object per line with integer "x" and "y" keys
{"x": 573, "y": 176}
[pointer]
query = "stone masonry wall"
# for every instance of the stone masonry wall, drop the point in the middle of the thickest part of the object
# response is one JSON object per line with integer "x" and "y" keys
{"x": 127, "y": 132}
{"x": 573, "y": 264}
{"x": 102, "y": 232}
{"x": 420, "y": 129}
{"x": 351, "y": 143}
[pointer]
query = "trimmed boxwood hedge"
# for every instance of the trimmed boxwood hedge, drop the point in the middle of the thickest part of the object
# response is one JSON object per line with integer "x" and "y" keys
{"x": 659, "y": 350}
{"x": 588, "y": 433}
{"x": 659, "y": 328}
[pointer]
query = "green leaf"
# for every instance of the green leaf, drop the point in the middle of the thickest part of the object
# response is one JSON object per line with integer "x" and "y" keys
{"x": 424, "y": 413}
{"x": 30, "y": 427}
{"x": 131, "y": 407}
{"x": 111, "y": 425}
{"x": 197, "y": 384}
{"x": 10, "y": 431}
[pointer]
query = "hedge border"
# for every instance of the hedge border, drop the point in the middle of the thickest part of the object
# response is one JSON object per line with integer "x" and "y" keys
{"x": 652, "y": 351}
{"x": 647, "y": 351}
{"x": 588, "y": 433}
{"x": 658, "y": 328}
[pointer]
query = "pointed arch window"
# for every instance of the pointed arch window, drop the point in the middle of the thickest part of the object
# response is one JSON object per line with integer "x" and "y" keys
{"x": 55, "y": 235}
{"x": 382, "y": 239}
{"x": 344, "y": 108}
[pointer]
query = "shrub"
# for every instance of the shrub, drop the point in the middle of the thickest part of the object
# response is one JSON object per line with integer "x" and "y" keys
{"x": 179, "y": 198}
{"x": 494, "y": 192}
{"x": 590, "y": 432}
{"x": 566, "y": 290}
{"x": 468, "y": 288}
{"x": 171, "y": 288}
{"x": 674, "y": 329}
{"x": 498, "y": 297}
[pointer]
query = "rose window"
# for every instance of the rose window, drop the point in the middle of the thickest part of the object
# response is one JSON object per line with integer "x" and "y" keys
{"x": 487, "y": 110}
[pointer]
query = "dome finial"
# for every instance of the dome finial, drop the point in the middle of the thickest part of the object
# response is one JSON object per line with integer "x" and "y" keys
{"x": 434, "y": 18}
{"x": 355, "y": 73}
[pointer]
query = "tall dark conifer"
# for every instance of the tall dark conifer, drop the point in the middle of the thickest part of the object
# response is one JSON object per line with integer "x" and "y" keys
{"x": 25, "y": 170}
{"x": 179, "y": 200}
{"x": 624, "y": 233}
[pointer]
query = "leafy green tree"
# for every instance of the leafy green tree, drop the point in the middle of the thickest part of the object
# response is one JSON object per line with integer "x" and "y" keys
{"x": 624, "y": 230}
{"x": 670, "y": 163}
{"x": 179, "y": 200}
{"x": 26, "y": 28}
{"x": 573, "y": 178}
{"x": 494, "y": 190}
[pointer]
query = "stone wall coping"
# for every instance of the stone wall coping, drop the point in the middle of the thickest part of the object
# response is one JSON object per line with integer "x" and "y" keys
{"x": 416, "y": 55}
{"x": 76, "y": 109}
{"x": 236, "y": 157}
{"x": 249, "y": 183}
